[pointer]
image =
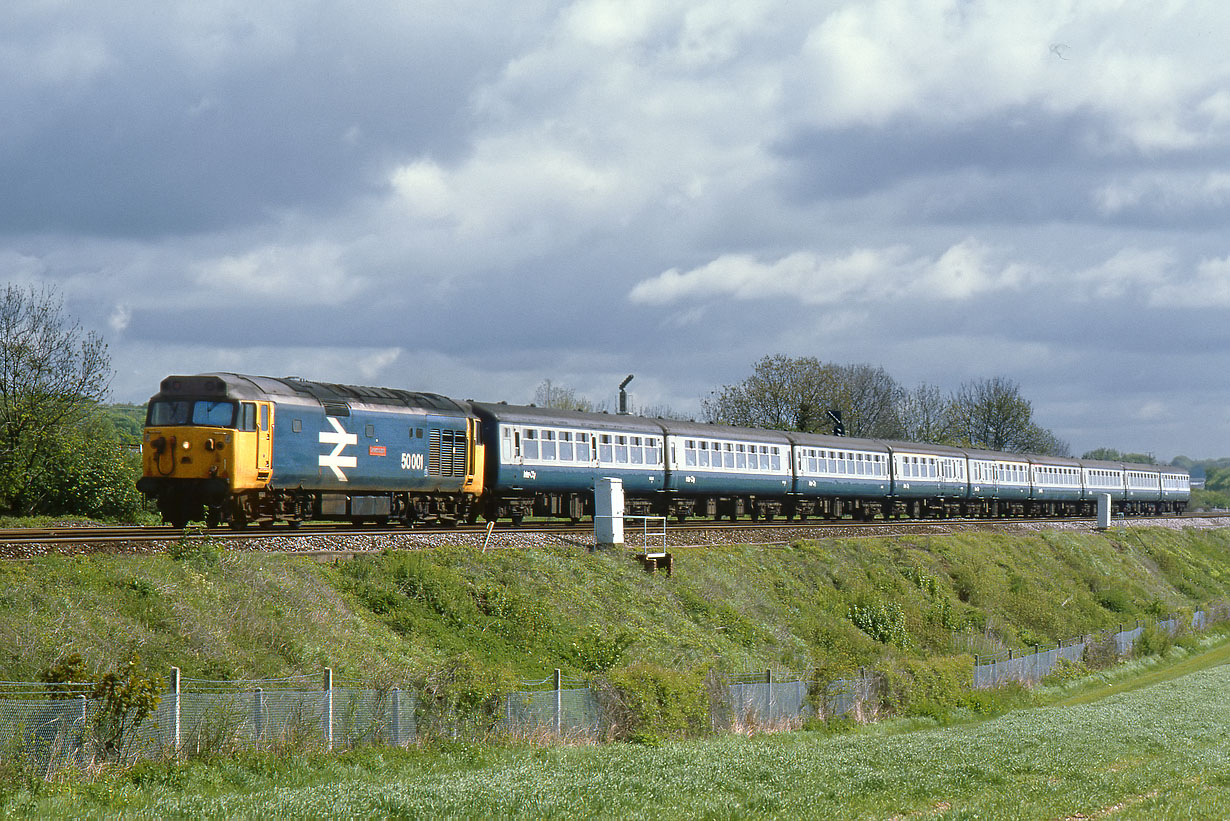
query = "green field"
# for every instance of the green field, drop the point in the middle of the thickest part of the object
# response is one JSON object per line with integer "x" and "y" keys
{"x": 1161, "y": 751}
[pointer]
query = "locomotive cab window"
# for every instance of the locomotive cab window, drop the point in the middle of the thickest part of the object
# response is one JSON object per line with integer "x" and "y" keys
{"x": 249, "y": 417}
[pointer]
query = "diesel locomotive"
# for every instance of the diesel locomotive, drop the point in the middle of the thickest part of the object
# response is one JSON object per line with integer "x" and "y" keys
{"x": 235, "y": 449}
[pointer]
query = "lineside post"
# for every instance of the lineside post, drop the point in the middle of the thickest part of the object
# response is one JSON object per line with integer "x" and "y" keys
{"x": 1104, "y": 507}
{"x": 609, "y": 513}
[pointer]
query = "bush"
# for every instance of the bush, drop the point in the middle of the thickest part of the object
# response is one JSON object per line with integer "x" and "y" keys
{"x": 646, "y": 703}
{"x": 1065, "y": 671}
{"x": 928, "y": 687}
{"x": 1101, "y": 651}
{"x": 597, "y": 652}
{"x": 884, "y": 622}
{"x": 462, "y": 698}
{"x": 196, "y": 548}
{"x": 91, "y": 473}
{"x": 123, "y": 698}
{"x": 1152, "y": 641}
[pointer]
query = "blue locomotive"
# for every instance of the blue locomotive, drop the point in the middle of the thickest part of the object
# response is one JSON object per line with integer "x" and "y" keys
{"x": 230, "y": 448}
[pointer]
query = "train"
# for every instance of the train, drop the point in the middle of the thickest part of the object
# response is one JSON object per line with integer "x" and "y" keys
{"x": 227, "y": 448}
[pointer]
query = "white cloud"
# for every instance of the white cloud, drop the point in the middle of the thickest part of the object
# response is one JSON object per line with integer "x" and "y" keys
{"x": 868, "y": 61}
{"x": 311, "y": 274}
{"x": 120, "y": 316}
{"x": 1172, "y": 192}
{"x": 1208, "y": 287}
{"x": 1130, "y": 273}
{"x": 862, "y": 275}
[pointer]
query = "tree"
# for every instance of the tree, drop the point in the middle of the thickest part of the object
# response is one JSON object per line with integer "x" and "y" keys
{"x": 52, "y": 375}
{"x": 785, "y": 393}
{"x": 1112, "y": 455}
{"x": 926, "y": 415}
{"x": 991, "y": 414}
{"x": 550, "y": 395}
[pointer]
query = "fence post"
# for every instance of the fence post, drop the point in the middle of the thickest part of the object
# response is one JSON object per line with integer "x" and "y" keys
{"x": 85, "y": 718}
{"x": 395, "y": 718}
{"x": 176, "y": 726}
{"x": 328, "y": 716}
{"x": 768, "y": 700}
{"x": 559, "y": 705}
{"x": 258, "y": 714}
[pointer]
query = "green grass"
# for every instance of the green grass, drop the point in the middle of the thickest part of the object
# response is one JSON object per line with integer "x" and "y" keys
{"x": 471, "y": 624}
{"x": 396, "y": 617}
{"x": 1161, "y": 751}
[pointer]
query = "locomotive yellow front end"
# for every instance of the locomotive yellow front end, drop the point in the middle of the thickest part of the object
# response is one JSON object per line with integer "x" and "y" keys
{"x": 201, "y": 447}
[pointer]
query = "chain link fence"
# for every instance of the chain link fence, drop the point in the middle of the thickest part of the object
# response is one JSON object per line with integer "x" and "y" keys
{"x": 52, "y": 726}
{"x": 1030, "y": 668}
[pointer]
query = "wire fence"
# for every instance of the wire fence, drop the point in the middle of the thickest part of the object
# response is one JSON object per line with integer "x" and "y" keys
{"x": 1007, "y": 666}
{"x": 52, "y": 726}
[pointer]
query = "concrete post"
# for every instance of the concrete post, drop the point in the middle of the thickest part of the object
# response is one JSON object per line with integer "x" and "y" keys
{"x": 1104, "y": 507}
{"x": 395, "y": 716}
{"x": 258, "y": 714}
{"x": 609, "y": 512}
{"x": 328, "y": 716}
{"x": 559, "y": 705}
{"x": 176, "y": 724}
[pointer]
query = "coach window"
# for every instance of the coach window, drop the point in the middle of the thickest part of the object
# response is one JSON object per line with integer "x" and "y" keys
{"x": 606, "y": 453}
{"x": 584, "y": 449}
{"x": 529, "y": 444}
{"x": 741, "y": 457}
{"x": 547, "y": 445}
{"x": 702, "y": 454}
{"x": 621, "y": 450}
{"x": 565, "y": 446}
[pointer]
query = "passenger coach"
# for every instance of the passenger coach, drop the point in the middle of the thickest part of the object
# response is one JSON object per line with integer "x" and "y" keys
{"x": 545, "y": 461}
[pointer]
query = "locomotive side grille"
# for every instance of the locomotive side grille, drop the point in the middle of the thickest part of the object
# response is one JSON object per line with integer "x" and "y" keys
{"x": 446, "y": 453}
{"x": 459, "y": 453}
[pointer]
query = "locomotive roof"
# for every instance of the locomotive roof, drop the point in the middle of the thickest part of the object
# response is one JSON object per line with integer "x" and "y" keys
{"x": 241, "y": 386}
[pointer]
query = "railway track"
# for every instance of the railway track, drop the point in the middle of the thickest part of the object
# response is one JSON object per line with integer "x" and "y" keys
{"x": 332, "y": 540}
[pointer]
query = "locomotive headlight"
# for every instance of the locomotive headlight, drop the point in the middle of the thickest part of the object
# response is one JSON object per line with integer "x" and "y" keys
{"x": 187, "y": 445}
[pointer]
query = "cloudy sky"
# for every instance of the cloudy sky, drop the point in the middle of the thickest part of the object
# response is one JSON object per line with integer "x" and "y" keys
{"x": 470, "y": 198}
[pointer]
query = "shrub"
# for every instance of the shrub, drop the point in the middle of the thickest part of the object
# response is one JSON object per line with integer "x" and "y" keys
{"x": 597, "y": 652}
{"x": 1152, "y": 641}
{"x": 196, "y": 548}
{"x": 884, "y": 622}
{"x": 1101, "y": 651}
{"x": 462, "y": 697}
{"x": 1065, "y": 671}
{"x": 930, "y": 687}
{"x": 1115, "y": 601}
{"x": 123, "y": 698}
{"x": 645, "y": 703}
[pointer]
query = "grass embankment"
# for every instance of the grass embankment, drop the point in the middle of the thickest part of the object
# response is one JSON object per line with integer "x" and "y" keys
{"x": 479, "y": 622}
{"x": 499, "y": 616}
{"x": 1157, "y": 752}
